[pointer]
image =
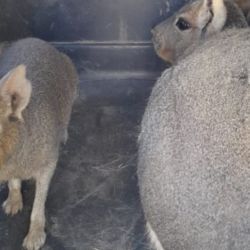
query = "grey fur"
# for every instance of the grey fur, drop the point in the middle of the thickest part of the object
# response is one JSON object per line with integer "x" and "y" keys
{"x": 194, "y": 152}
{"x": 194, "y": 148}
{"x": 54, "y": 86}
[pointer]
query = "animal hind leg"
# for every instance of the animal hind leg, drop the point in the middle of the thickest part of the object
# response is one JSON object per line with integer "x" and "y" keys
{"x": 36, "y": 236}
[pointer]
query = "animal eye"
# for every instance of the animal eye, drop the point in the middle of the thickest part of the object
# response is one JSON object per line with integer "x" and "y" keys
{"x": 182, "y": 24}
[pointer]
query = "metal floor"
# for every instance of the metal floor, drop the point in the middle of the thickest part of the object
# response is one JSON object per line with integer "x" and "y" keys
{"x": 93, "y": 202}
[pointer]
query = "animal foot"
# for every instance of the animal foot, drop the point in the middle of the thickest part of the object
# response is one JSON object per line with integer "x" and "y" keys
{"x": 34, "y": 240}
{"x": 13, "y": 204}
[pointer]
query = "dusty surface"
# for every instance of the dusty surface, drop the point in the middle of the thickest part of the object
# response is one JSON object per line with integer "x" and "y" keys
{"x": 93, "y": 202}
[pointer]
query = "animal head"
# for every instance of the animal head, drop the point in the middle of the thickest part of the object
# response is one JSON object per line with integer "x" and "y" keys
{"x": 15, "y": 93}
{"x": 194, "y": 22}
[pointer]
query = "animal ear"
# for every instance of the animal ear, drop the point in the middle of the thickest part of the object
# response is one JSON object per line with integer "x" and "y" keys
{"x": 15, "y": 89}
{"x": 206, "y": 15}
{"x": 212, "y": 15}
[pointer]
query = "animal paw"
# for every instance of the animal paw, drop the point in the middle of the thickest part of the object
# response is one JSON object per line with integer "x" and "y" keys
{"x": 13, "y": 205}
{"x": 34, "y": 240}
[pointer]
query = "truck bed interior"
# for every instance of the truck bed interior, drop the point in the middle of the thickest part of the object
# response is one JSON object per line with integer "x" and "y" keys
{"x": 93, "y": 202}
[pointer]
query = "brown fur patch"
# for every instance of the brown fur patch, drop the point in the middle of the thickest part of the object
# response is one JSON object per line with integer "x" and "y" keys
{"x": 8, "y": 140}
{"x": 166, "y": 54}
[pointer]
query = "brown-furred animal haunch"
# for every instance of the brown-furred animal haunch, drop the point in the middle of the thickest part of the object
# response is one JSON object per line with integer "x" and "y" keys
{"x": 37, "y": 89}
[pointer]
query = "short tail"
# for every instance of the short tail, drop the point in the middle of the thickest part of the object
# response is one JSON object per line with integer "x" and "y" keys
{"x": 156, "y": 244}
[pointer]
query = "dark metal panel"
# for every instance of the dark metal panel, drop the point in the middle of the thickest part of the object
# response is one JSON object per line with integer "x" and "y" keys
{"x": 96, "y": 20}
{"x": 112, "y": 57}
{"x": 15, "y": 18}
{"x": 106, "y": 34}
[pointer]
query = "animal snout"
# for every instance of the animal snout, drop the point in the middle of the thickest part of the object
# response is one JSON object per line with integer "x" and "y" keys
{"x": 163, "y": 51}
